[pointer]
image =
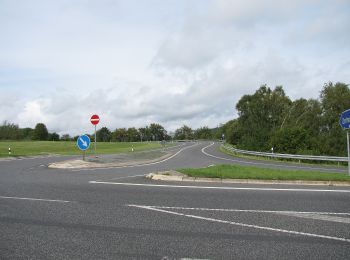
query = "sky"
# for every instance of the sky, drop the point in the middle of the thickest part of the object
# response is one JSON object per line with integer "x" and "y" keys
{"x": 172, "y": 62}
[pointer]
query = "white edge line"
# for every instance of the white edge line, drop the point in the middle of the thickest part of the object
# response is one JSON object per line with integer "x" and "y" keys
{"x": 213, "y": 187}
{"x": 136, "y": 165}
{"x": 125, "y": 177}
{"x": 34, "y": 199}
{"x": 250, "y": 210}
{"x": 261, "y": 163}
{"x": 243, "y": 224}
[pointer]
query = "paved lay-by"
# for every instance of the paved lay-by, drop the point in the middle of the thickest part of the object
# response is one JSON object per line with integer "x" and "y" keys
{"x": 116, "y": 213}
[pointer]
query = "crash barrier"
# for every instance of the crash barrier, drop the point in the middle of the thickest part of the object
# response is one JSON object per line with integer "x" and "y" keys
{"x": 287, "y": 156}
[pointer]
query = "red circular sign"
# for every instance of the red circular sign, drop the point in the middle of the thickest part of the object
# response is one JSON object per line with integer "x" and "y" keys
{"x": 95, "y": 119}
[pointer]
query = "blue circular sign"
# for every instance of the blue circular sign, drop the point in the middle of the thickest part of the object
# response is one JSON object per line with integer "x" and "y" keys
{"x": 83, "y": 142}
{"x": 345, "y": 119}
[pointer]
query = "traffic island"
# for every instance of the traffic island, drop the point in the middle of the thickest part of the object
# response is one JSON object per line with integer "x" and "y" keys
{"x": 113, "y": 160}
{"x": 181, "y": 177}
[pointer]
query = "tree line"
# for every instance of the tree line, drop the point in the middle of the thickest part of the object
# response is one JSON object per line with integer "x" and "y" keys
{"x": 270, "y": 119}
{"x": 266, "y": 119}
{"x": 153, "y": 132}
{"x": 10, "y": 131}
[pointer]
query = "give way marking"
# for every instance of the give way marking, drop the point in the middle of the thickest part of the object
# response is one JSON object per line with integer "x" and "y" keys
{"x": 169, "y": 210}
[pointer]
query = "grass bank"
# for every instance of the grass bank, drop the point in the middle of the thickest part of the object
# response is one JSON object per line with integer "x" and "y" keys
{"x": 248, "y": 172}
{"x": 28, "y": 148}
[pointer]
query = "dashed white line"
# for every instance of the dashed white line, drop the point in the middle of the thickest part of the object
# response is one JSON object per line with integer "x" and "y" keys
{"x": 215, "y": 187}
{"x": 243, "y": 224}
{"x": 35, "y": 199}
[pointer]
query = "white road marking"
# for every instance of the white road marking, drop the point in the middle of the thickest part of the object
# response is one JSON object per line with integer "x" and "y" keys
{"x": 258, "y": 163}
{"x": 83, "y": 142}
{"x": 214, "y": 187}
{"x": 317, "y": 216}
{"x": 125, "y": 177}
{"x": 254, "y": 210}
{"x": 243, "y": 224}
{"x": 34, "y": 199}
{"x": 325, "y": 216}
{"x": 137, "y": 165}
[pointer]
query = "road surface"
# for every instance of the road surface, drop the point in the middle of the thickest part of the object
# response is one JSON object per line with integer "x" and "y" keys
{"x": 116, "y": 213}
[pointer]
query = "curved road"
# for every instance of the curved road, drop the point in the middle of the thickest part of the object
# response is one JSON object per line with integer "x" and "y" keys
{"x": 116, "y": 213}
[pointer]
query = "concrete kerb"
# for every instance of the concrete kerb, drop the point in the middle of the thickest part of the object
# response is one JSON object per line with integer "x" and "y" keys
{"x": 80, "y": 164}
{"x": 176, "y": 176}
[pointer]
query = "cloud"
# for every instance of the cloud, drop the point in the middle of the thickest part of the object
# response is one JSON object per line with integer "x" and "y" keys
{"x": 135, "y": 63}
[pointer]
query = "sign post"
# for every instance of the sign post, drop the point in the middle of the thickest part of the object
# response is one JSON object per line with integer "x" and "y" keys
{"x": 95, "y": 119}
{"x": 83, "y": 143}
{"x": 345, "y": 124}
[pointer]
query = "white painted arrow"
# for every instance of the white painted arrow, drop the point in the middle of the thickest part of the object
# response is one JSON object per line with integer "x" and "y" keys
{"x": 84, "y": 142}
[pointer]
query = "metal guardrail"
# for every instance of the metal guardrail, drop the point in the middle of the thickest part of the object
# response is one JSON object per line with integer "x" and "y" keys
{"x": 287, "y": 156}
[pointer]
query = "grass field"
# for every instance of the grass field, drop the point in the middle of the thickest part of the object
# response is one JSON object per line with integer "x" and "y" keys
{"x": 27, "y": 148}
{"x": 247, "y": 172}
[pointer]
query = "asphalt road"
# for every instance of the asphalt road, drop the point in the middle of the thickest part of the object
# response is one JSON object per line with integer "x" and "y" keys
{"x": 118, "y": 214}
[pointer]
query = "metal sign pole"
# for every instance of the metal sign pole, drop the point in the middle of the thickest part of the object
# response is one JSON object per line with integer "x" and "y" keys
{"x": 347, "y": 138}
{"x": 95, "y": 139}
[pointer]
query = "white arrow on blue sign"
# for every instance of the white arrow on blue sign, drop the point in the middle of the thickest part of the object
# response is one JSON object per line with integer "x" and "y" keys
{"x": 345, "y": 119}
{"x": 83, "y": 142}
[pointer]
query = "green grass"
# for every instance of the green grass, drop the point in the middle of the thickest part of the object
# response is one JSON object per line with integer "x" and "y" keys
{"x": 248, "y": 172}
{"x": 28, "y": 148}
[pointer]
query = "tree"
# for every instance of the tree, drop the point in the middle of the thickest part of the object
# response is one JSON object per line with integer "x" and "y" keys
{"x": 145, "y": 134}
{"x": 26, "y": 133}
{"x": 40, "y": 132}
{"x": 203, "y": 133}
{"x": 157, "y": 132}
{"x": 53, "y": 137}
{"x": 119, "y": 135}
{"x": 184, "y": 133}
{"x": 103, "y": 135}
{"x": 9, "y": 131}
{"x": 293, "y": 140}
{"x": 260, "y": 115}
{"x": 133, "y": 134}
{"x": 334, "y": 99}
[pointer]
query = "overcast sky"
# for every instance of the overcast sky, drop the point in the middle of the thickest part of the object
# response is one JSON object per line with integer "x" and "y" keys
{"x": 170, "y": 62}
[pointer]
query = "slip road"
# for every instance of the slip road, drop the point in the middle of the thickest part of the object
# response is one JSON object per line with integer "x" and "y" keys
{"x": 116, "y": 213}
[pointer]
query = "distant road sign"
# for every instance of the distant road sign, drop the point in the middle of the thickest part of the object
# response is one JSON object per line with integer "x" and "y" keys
{"x": 83, "y": 142}
{"x": 95, "y": 119}
{"x": 345, "y": 119}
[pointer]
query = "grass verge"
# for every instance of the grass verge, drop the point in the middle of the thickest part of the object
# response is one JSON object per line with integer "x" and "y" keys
{"x": 248, "y": 172}
{"x": 291, "y": 161}
{"x": 28, "y": 148}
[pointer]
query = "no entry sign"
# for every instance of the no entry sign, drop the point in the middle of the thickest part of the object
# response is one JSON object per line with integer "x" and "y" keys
{"x": 95, "y": 119}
